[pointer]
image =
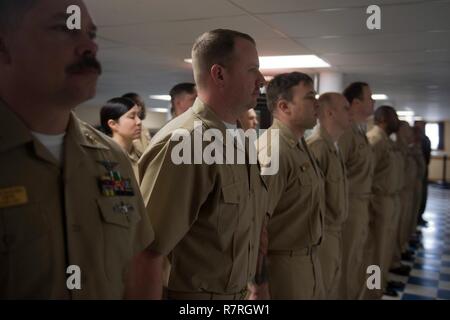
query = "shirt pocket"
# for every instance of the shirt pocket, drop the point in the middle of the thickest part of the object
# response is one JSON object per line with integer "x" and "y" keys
{"x": 22, "y": 226}
{"x": 228, "y": 217}
{"x": 26, "y": 253}
{"x": 119, "y": 216}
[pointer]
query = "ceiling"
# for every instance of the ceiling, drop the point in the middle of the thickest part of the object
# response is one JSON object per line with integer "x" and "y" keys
{"x": 143, "y": 43}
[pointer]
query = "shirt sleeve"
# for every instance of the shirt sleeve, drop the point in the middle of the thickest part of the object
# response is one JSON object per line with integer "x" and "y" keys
{"x": 173, "y": 194}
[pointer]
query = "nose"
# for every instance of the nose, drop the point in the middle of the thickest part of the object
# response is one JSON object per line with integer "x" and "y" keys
{"x": 87, "y": 46}
{"x": 261, "y": 80}
{"x": 138, "y": 121}
{"x": 316, "y": 104}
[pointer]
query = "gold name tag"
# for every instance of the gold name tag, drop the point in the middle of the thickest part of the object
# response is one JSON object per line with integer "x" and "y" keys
{"x": 14, "y": 196}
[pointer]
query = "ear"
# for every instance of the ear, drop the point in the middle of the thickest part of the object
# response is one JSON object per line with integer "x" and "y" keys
{"x": 283, "y": 106}
{"x": 112, "y": 124}
{"x": 329, "y": 111}
{"x": 217, "y": 73}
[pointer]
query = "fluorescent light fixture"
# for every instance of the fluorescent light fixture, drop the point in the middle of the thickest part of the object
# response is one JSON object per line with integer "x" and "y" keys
{"x": 164, "y": 97}
{"x": 405, "y": 113}
{"x": 268, "y": 78}
{"x": 418, "y": 119}
{"x": 159, "y": 110}
{"x": 379, "y": 97}
{"x": 288, "y": 62}
{"x": 317, "y": 96}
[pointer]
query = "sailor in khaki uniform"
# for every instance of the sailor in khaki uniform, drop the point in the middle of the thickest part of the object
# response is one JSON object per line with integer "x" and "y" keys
{"x": 334, "y": 119}
{"x": 421, "y": 171}
{"x": 68, "y": 197}
{"x": 52, "y": 219}
{"x": 358, "y": 160}
{"x": 405, "y": 141}
{"x": 384, "y": 188}
{"x": 296, "y": 192}
{"x": 399, "y": 212}
{"x": 211, "y": 230}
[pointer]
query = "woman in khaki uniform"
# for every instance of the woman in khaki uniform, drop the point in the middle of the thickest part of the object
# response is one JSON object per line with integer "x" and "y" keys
{"x": 119, "y": 119}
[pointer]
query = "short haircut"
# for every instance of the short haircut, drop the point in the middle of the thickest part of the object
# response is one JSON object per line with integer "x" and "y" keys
{"x": 214, "y": 47}
{"x": 139, "y": 101}
{"x": 355, "y": 91}
{"x": 12, "y": 11}
{"x": 381, "y": 113}
{"x": 184, "y": 87}
{"x": 280, "y": 87}
{"x": 113, "y": 110}
{"x": 326, "y": 100}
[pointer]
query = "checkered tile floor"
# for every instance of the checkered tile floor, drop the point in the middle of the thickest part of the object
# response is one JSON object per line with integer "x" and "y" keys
{"x": 430, "y": 275}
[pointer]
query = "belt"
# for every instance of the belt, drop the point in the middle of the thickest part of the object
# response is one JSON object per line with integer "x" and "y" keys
{"x": 179, "y": 295}
{"x": 360, "y": 195}
{"x": 301, "y": 252}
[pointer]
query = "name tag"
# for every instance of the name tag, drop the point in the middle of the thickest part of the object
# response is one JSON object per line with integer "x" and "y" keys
{"x": 14, "y": 196}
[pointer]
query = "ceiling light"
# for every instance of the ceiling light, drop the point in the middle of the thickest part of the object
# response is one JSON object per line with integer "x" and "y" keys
{"x": 379, "y": 97}
{"x": 405, "y": 113}
{"x": 159, "y": 110}
{"x": 164, "y": 97}
{"x": 288, "y": 62}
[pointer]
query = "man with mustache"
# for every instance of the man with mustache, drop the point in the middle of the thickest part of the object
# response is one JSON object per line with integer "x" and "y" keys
{"x": 68, "y": 197}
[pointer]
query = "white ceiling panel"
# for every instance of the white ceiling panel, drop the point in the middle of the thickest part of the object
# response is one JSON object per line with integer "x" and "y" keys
{"x": 142, "y": 43}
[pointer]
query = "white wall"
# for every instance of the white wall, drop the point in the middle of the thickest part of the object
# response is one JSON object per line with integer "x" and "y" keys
{"x": 436, "y": 164}
{"x": 91, "y": 114}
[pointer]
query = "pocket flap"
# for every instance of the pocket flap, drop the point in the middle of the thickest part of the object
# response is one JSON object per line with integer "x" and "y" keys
{"x": 231, "y": 193}
{"x": 118, "y": 211}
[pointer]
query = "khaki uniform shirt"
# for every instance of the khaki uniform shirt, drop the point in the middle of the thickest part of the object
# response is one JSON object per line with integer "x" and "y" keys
{"x": 207, "y": 218}
{"x": 358, "y": 158}
{"x": 296, "y": 202}
{"x": 142, "y": 143}
{"x": 385, "y": 175}
{"x": 330, "y": 161}
{"x": 134, "y": 156}
{"x": 53, "y": 217}
{"x": 409, "y": 165}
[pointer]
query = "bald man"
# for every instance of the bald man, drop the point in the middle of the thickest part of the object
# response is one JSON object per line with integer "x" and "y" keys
{"x": 334, "y": 119}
